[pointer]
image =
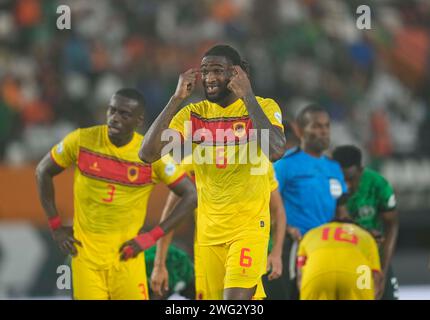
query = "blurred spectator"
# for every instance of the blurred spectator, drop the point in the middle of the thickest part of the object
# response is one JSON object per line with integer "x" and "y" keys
{"x": 372, "y": 81}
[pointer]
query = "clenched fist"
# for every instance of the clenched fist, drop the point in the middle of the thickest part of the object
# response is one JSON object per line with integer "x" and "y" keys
{"x": 186, "y": 84}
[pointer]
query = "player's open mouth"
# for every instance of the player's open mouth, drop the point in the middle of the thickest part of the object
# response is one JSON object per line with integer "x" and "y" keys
{"x": 113, "y": 130}
{"x": 212, "y": 89}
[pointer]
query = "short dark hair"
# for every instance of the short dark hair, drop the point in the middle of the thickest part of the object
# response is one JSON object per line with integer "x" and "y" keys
{"x": 347, "y": 156}
{"x": 301, "y": 118}
{"x": 223, "y": 50}
{"x": 133, "y": 94}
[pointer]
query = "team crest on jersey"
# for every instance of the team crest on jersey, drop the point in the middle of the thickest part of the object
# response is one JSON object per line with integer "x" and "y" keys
{"x": 239, "y": 129}
{"x": 132, "y": 173}
{"x": 366, "y": 211}
{"x": 335, "y": 188}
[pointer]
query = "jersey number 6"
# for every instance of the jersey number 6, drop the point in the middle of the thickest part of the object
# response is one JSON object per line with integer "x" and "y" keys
{"x": 245, "y": 261}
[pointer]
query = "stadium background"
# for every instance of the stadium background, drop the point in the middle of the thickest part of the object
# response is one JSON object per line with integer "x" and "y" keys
{"x": 373, "y": 82}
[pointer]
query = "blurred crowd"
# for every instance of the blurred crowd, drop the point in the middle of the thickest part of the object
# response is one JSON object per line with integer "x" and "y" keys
{"x": 373, "y": 82}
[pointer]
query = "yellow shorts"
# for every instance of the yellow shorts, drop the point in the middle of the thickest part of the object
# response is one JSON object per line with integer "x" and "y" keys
{"x": 123, "y": 281}
{"x": 334, "y": 286}
{"x": 238, "y": 264}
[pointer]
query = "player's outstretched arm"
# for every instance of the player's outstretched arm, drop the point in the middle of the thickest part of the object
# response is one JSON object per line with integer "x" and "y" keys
{"x": 160, "y": 275}
{"x": 241, "y": 87}
{"x": 390, "y": 221}
{"x": 186, "y": 205}
{"x": 152, "y": 145}
{"x": 63, "y": 236}
{"x": 277, "y": 213}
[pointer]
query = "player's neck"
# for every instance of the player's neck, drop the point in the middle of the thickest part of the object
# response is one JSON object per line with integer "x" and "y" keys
{"x": 121, "y": 141}
{"x": 312, "y": 152}
{"x": 228, "y": 100}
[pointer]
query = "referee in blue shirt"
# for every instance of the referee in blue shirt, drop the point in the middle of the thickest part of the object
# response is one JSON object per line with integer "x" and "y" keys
{"x": 312, "y": 187}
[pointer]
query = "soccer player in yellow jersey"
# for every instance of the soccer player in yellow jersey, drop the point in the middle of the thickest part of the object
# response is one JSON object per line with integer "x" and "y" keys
{"x": 111, "y": 191}
{"x": 233, "y": 195}
{"x": 212, "y": 289}
{"x": 338, "y": 261}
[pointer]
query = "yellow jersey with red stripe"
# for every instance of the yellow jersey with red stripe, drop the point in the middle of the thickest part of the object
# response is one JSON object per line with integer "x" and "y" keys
{"x": 231, "y": 171}
{"x": 338, "y": 247}
{"x": 187, "y": 166}
{"x": 111, "y": 190}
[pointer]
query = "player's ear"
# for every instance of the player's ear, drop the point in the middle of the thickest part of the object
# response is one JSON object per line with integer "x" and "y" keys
{"x": 140, "y": 120}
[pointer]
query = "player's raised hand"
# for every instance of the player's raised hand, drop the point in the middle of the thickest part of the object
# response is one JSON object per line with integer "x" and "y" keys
{"x": 239, "y": 82}
{"x": 186, "y": 84}
{"x": 274, "y": 265}
{"x": 65, "y": 240}
{"x": 160, "y": 280}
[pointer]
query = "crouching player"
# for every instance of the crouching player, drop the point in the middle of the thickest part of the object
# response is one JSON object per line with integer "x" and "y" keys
{"x": 338, "y": 261}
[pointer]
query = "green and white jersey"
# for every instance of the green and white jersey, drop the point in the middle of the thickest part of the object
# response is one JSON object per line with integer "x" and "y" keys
{"x": 374, "y": 196}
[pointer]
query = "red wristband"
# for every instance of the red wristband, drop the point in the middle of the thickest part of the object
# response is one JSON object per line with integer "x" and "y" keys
{"x": 148, "y": 239}
{"x": 156, "y": 233}
{"x": 54, "y": 222}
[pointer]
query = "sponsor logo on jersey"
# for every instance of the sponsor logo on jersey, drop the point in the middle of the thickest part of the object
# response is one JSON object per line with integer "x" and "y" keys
{"x": 170, "y": 169}
{"x": 95, "y": 166}
{"x": 278, "y": 117}
{"x": 60, "y": 147}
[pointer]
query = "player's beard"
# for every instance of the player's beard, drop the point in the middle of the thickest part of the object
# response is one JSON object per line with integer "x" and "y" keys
{"x": 219, "y": 97}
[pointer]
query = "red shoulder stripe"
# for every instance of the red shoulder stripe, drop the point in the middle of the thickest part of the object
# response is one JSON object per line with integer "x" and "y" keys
{"x": 98, "y": 166}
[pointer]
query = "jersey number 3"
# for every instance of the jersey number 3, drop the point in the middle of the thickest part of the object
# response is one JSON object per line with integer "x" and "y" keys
{"x": 111, "y": 193}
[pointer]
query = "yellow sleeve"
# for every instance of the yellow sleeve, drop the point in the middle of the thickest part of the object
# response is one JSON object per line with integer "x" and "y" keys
{"x": 181, "y": 122}
{"x": 187, "y": 165}
{"x": 273, "y": 112}
{"x": 66, "y": 152}
{"x": 272, "y": 178}
{"x": 374, "y": 261}
{"x": 167, "y": 171}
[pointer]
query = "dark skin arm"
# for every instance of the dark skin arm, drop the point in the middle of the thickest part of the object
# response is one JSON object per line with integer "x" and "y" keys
{"x": 277, "y": 215}
{"x": 46, "y": 170}
{"x": 152, "y": 146}
{"x": 241, "y": 87}
{"x": 186, "y": 205}
{"x": 160, "y": 275}
{"x": 391, "y": 227}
